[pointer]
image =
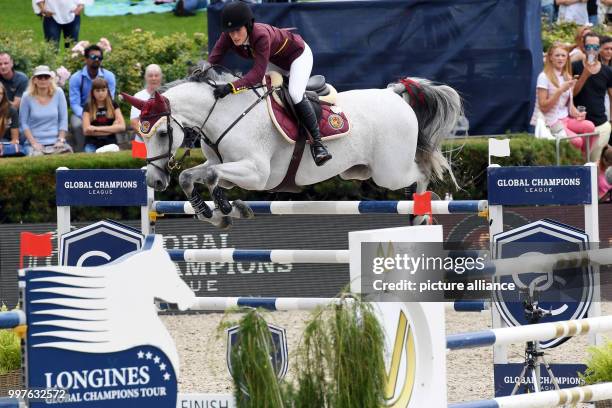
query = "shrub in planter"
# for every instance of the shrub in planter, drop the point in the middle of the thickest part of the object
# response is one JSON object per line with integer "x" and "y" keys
{"x": 599, "y": 368}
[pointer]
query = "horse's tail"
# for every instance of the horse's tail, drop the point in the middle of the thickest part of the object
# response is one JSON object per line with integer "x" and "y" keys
{"x": 437, "y": 108}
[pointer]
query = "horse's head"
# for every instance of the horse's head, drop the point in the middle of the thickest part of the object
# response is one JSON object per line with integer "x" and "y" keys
{"x": 162, "y": 135}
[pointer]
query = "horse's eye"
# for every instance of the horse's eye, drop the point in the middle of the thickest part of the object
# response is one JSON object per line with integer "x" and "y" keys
{"x": 163, "y": 134}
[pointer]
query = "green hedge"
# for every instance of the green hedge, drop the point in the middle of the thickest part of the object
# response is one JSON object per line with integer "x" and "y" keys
{"x": 130, "y": 55}
{"x": 27, "y": 185}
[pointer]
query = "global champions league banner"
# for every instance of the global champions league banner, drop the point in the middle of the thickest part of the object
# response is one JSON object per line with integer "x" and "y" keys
{"x": 104, "y": 348}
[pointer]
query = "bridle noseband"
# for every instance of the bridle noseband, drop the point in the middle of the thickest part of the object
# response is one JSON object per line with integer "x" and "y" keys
{"x": 193, "y": 134}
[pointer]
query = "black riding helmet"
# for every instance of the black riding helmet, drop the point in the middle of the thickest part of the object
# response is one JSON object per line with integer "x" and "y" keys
{"x": 235, "y": 15}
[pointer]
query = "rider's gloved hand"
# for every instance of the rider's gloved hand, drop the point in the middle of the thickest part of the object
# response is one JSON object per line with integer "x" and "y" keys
{"x": 222, "y": 90}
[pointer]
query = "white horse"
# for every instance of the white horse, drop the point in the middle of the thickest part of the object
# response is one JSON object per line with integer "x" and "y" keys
{"x": 391, "y": 142}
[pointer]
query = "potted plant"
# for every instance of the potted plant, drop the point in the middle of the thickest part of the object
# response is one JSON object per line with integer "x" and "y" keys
{"x": 599, "y": 369}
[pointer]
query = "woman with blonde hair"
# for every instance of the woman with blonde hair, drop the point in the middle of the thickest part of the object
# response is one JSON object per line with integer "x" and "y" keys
{"x": 102, "y": 118}
{"x": 9, "y": 125}
{"x": 43, "y": 114}
{"x": 554, "y": 96}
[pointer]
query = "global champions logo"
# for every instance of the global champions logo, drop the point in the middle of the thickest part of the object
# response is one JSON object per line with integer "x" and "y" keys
{"x": 95, "y": 332}
{"x": 101, "y": 187}
{"x": 539, "y": 185}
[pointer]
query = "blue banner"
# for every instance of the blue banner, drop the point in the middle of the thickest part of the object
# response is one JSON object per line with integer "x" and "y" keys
{"x": 539, "y": 185}
{"x": 488, "y": 50}
{"x": 98, "y": 244}
{"x": 102, "y": 188}
{"x": 507, "y": 375}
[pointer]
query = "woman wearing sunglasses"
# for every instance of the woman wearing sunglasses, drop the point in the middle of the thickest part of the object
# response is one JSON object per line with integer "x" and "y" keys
{"x": 43, "y": 115}
{"x": 594, "y": 82}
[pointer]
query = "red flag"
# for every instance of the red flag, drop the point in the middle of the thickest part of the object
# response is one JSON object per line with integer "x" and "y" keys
{"x": 34, "y": 245}
{"x": 422, "y": 204}
{"x": 139, "y": 150}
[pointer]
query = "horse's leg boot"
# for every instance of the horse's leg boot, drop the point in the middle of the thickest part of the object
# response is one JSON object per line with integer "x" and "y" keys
{"x": 309, "y": 120}
{"x": 221, "y": 201}
{"x": 199, "y": 205}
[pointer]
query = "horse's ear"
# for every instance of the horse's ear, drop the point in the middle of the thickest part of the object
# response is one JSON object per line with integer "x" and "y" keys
{"x": 135, "y": 102}
{"x": 158, "y": 97}
{"x": 161, "y": 101}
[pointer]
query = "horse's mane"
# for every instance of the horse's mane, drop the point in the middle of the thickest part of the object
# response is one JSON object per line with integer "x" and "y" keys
{"x": 203, "y": 72}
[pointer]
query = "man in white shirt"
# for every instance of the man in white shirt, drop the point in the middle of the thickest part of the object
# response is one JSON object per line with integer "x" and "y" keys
{"x": 153, "y": 79}
{"x": 60, "y": 16}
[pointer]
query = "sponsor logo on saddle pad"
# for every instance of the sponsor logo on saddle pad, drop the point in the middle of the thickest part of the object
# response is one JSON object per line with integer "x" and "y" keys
{"x": 335, "y": 121}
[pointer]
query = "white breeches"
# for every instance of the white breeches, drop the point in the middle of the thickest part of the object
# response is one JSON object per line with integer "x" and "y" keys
{"x": 299, "y": 73}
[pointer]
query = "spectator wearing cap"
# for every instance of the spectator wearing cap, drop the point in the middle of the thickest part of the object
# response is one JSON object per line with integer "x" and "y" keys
{"x": 15, "y": 82}
{"x": 43, "y": 116}
{"x": 153, "y": 78}
{"x": 80, "y": 87}
{"x": 60, "y": 16}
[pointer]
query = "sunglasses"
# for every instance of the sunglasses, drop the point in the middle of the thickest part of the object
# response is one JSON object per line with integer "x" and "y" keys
{"x": 95, "y": 57}
{"x": 43, "y": 76}
{"x": 593, "y": 47}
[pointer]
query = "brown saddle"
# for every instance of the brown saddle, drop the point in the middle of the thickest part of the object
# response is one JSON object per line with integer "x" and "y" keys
{"x": 333, "y": 122}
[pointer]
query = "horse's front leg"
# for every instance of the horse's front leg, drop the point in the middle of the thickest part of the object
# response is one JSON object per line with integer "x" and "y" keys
{"x": 245, "y": 173}
{"x": 187, "y": 180}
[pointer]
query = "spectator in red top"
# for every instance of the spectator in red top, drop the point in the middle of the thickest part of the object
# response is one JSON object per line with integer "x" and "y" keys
{"x": 267, "y": 45}
{"x": 102, "y": 118}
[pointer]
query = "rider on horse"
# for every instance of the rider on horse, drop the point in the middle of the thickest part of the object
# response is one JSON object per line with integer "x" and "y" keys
{"x": 266, "y": 44}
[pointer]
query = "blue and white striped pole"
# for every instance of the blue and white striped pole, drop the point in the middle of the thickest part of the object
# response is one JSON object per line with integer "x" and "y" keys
{"x": 12, "y": 319}
{"x": 260, "y": 255}
{"x": 546, "y": 399}
{"x": 221, "y": 304}
{"x": 532, "y": 332}
{"x": 543, "y": 263}
{"x": 333, "y": 207}
{"x": 469, "y": 306}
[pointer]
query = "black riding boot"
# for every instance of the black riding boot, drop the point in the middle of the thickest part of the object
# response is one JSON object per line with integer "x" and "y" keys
{"x": 309, "y": 120}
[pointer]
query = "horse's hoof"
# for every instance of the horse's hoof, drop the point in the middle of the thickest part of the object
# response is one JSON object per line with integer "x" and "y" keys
{"x": 203, "y": 217}
{"x": 225, "y": 207}
{"x": 243, "y": 209}
{"x": 225, "y": 223}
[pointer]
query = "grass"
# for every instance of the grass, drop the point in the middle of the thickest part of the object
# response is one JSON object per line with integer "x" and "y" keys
{"x": 17, "y": 15}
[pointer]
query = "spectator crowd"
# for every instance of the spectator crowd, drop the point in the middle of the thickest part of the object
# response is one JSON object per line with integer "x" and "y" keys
{"x": 34, "y": 117}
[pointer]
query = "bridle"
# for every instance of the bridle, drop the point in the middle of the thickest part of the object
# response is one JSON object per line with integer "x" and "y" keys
{"x": 194, "y": 133}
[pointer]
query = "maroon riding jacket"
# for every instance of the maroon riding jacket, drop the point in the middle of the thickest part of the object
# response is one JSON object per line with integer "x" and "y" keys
{"x": 266, "y": 44}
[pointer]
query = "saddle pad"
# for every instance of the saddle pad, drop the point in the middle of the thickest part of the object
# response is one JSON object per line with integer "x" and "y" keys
{"x": 333, "y": 123}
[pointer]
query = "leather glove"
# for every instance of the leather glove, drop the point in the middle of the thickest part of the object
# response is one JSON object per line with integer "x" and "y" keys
{"x": 222, "y": 90}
